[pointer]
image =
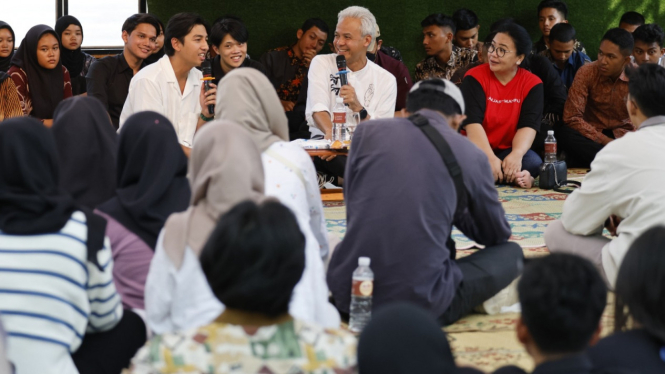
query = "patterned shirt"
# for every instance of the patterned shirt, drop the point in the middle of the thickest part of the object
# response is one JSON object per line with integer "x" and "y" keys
{"x": 286, "y": 72}
{"x": 290, "y": 347}
{"x": 20, "y": 79}
{"x": 10, "y": 105}
{"x": 596, "y": 103}
{"x": 459, "y": 58}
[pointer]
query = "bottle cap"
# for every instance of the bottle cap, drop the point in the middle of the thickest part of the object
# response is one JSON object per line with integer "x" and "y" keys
{"x": 364, "y": 261}
{"x": 339, "y": 100}
{"x": 550, "y": 132}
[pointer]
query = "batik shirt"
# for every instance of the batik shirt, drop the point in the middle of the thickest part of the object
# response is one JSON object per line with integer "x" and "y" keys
{"x": 290, "y": 347}
{"x": 459, "y": 58}
{"x": 286, "y": 72}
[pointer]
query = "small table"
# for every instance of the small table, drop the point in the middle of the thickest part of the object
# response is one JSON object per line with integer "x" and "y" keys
{"x": 328, "y": 152}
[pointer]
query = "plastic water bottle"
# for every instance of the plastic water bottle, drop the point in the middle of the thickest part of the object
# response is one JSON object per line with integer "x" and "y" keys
{"x": 338, "y": 119}
{"x": 550, "y": 147}
{"x": 361, "y": 296}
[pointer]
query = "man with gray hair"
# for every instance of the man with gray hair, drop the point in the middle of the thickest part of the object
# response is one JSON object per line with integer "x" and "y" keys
{"x": 371, "y": 91}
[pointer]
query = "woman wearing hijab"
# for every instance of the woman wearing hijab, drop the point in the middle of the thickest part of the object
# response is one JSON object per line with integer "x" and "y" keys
{"x": 158, "y": 51}
{"x": 402, "y": 339}
{"x": 56, "y": 276}
{"x": 87, "y": 172}
{"x": 70, "y": 32}
{"x": 7, "y": 44}
{"x": 252, "y": 261}
{"x": 41, "y": 80}
{"x": 225, "y": 169}
{"x": 245, "y": 97}
{"x": 151, "y": 185}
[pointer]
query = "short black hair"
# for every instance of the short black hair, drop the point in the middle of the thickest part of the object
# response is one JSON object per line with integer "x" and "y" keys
{"x": 641, "y": 281}
{"x": 228, "y": 26}
{"x": 646, "y": 87}
{"x": 315, "y": 22}
{"x": 563, "y": 32}
{"x": 562, "y": 297}
{"x": 520, "y": 37}
{"x": 648, "y": 34}
{"x": 465, "y": 19}
{"x": 255, "y": 257}
{"x": 621, "y": 38}
{"x": 427, "y": 96}
{"x": 632, "y": 18}
{"x": 441, "y": 20}
{"x": 560, "y": 7}
{"x": 134, "y": 20}
{"x": 179, "y": 26}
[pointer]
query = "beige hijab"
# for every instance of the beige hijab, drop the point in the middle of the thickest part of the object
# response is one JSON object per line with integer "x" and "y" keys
{"x": 225, "y": 169}
{"x": 246, "y": 97}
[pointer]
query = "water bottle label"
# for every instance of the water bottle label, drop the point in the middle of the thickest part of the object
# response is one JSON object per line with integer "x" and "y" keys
{"x": 550, "y": 147}
{"x": 339, "y": 117}
{"x": 362, "y": 287}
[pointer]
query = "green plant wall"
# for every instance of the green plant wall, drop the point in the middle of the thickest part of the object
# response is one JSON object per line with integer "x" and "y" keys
{"x": 273, "y": 23}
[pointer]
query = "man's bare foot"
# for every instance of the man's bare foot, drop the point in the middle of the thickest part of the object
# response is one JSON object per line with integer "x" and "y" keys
{"x": 524, "y": 179}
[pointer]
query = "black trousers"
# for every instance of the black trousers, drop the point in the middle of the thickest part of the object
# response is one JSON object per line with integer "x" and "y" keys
{"x": 580, "y": 150}
{"x": 334, "y": 168}
{"x": 484, "y": 274}
{"x": 110, "y": 352}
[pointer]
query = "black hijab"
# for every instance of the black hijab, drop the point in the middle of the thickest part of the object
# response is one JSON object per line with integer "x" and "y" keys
{"x": 46, "y": 85}
{"x": 159, "y": 54}
{"x": 87, "y": 149}
{"x": 73, "y": 60}
{"x": 404, "y": 339}
{"x": 30, "y": 200}
{"x": 152, "y": 176}
{"x": 6, "y": 62}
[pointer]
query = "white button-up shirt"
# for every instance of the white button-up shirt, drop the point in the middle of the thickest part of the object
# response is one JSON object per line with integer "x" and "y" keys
{"x": 156, "y": 88}
{"x": 375, "y": 87}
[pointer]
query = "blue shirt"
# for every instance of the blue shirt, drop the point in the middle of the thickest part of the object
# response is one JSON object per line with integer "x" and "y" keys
{"x": 575, "y": 61}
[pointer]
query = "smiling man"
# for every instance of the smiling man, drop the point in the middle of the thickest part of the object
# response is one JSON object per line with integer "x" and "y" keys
{"x": 229, "y": 38}
{"x": 172, "y": 86}
{"x": 371, "y": 91}
{"x": 595, "y": 113}
{"x": 443, "y": 58}
{"x": 108, "y": 79}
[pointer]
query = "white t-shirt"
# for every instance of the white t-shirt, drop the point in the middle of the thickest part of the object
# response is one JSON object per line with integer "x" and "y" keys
{"x": 156, "y": 88}
{"x": 375, "y": 87}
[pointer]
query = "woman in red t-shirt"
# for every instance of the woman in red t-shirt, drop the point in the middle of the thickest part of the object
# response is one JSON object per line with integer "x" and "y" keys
{"x": 504, "y": 107}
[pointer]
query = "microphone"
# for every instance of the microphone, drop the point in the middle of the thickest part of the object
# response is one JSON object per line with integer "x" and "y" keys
{"x": 206, "y": 69}
{"x": 341, "y": 67}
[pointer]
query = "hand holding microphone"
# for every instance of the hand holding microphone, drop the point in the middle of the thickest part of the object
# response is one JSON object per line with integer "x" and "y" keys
{"x": 208, "y": 90}
{"x": 347, "y": 92}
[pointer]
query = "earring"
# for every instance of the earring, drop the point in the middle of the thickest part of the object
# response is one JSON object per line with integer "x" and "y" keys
{"x": 519, "y": 62}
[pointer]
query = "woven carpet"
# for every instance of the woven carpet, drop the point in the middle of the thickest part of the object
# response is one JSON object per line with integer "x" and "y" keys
{"x": 483, "y": 341}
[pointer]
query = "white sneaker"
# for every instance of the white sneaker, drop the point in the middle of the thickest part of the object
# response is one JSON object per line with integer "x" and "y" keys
{"x": 505, "y": 298}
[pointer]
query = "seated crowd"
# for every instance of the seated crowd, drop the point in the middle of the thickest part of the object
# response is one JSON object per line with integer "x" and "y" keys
{"x": 153, "y": 220}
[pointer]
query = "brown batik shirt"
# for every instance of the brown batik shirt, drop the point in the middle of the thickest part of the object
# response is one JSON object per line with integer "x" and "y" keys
{"x": 596, "y": 103}
{"x": 429, "y": 68}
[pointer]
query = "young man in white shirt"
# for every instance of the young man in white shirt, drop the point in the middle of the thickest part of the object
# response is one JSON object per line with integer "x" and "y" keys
{"x": 172, "y": 86}
{"x": 371, "y": 91}
{"x": 624, "y": 190}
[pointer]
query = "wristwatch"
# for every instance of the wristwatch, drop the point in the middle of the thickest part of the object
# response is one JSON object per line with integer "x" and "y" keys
{"x": 363, "y": 114}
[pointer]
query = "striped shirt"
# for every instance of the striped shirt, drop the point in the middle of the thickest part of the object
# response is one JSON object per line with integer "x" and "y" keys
{"x": 50, "y": 296}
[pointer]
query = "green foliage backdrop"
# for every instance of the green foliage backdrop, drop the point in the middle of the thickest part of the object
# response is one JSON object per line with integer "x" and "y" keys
{"x": 273, "y": 23}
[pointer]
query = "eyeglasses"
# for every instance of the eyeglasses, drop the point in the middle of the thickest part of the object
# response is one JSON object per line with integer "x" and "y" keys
{"x": 500, "y": 51}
